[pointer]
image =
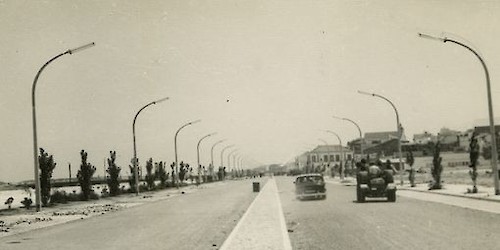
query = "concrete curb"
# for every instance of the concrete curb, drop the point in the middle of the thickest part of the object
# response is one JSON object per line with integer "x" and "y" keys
{"x": 350, "y": 183}
{"x": 448, "y": 194}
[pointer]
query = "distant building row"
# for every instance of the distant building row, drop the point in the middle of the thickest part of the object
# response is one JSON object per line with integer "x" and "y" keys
{"x": 384, "y": 145}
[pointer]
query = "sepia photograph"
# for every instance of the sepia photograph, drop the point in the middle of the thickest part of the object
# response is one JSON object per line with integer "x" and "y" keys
{"x": 249, "y": 124}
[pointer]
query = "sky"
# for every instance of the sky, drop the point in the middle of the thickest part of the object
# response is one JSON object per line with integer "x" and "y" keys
{"x": 267, "y": 76}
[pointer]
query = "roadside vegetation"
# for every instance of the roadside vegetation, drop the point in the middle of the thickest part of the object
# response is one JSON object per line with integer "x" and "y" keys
{"x": 157, "y": 177}
{"x": 47, "y": 166}
{"x": 114, "y": 175}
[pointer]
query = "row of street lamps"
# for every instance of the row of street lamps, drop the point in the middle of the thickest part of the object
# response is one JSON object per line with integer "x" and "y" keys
{"x": 398, "y": 125}
{"x": 494, "y": 155}
{"x": 134, "y": 160}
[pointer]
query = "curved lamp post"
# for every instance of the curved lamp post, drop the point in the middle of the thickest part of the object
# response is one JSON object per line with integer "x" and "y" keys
{"x": 211, "y": 167}
{"x": 33, "y": 107}
{"x": 398, "y": 125}
{"x": 341, "y": 153}
{"x": 494, "y": 155}
{"x": 222, "y": 153}
{"x": 175, "y": 149}
{"x": 198, "y": 152}
{"x": 359, "y": 130}
{"x": 212, "y": 151}
{"x": 135, "y": 161}
{"x": 222, "y": 158}
{"x": 229, "y": 158}
{"x": 235, "y": 165}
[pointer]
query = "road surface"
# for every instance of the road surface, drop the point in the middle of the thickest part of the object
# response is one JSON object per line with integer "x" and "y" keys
{"x": 199, "y": 220}
{"x": 204, "y": 219}
{"x": 339, "y": 222}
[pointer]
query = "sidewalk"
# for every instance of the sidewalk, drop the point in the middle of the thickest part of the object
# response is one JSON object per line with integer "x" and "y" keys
{"x": 457, "y": 190}
{"x": 263, "y": 224}
{"x": 18, "y": 220}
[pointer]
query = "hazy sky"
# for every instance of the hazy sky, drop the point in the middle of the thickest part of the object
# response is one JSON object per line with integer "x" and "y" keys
{"x": 266, "y": 75}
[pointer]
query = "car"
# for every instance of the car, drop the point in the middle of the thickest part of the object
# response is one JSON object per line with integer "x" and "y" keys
{"x": 375, "y": 182}
{"x": 310, "y": 186}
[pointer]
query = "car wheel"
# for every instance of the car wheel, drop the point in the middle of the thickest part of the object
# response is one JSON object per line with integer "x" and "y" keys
{"x": 391, "y": 196}
{"x": 360, "y": 195}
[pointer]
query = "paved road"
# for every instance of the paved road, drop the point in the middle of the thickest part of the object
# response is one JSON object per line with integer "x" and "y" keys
{"x": 340, "y": 223}
{"x": 203, "y": 220}
{"x": 199, "y": 220}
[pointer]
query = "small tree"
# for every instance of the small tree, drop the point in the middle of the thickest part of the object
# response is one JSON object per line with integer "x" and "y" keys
{"x": 473, "y": 156}
{"x": 114, "y": 175}
{"x": 85, "y": 176}
{"x": 410, "y": 160}
{"x": 47, "y": 166}
{"x": 150, "y": 177}
{"x": 437, "y": 168}
{"x": 182, "y": 171}
{"x": 131, "y": 180}
{"x": 160, "y": 173}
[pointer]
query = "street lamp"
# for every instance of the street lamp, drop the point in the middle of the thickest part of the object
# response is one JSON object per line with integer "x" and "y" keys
{"x": 33, "y": 106}
{"x": 490, "y": 106}
{"x": 135, "y": 161}
{"x": 198, "y": 153}
{"x": 325, "y": 142}
{"x": 222, "y": 153}
{"x": 398, "y": 125}
{"x": 175, "y": 149}
{"x": 229, "y": 158}
{"x": 235, "y": 164}
{"x": 359, "y": 130}
{"x": 341, "y": 153}
{"x": 222, "y": 158}
{"x": 211, "y": 167}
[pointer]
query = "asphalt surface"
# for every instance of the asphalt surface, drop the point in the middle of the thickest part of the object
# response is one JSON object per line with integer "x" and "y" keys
{"x": 201, "y": 219}
{"x": 339, "y": 222}
{"x": 204, "y": 218}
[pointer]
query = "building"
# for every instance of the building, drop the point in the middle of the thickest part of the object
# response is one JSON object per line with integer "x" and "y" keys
{"x": 484, "y": 135}
{"x": 424, "y": 138}
{"x": 324, "y": 156}
{"x": 377, "y": 144}
{"x": 376, "y": 138}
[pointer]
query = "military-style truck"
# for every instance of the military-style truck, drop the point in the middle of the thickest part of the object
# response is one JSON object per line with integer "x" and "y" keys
{"x": 375, "y": 182}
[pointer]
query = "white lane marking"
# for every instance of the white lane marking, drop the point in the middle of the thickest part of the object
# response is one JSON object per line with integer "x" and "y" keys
{"x": 240, "y": 222}
{"x": 284, "y": 231}
{"x": 272, "y": 203}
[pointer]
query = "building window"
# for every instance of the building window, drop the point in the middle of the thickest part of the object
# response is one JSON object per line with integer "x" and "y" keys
{"x": 313, "y": 158}
{"x": 325, "y": 158}
{"x": 337, "y": 157}
{"x": 349, "y": 157}
{"x": 331, "y": 158}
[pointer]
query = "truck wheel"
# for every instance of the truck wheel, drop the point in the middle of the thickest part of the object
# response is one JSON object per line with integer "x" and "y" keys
{"x": 391, "y": 196}
{"x": 360, "y": 196}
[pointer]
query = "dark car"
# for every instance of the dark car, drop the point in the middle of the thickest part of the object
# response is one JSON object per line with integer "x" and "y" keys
{"x": 310, "y": 186}
{"x": 375, "y": 182}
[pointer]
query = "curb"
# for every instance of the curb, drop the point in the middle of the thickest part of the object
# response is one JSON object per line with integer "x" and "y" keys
{"x": 422, "y": 191}
{"x": 454, "y": 195}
